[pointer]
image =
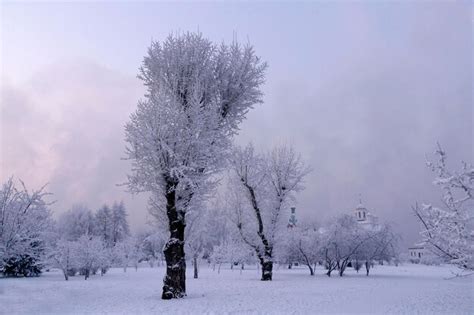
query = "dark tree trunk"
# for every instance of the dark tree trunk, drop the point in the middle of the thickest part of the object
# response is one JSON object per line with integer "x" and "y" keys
{"x": 195, "y": 267}
{"x": 342, "y": 268}
{"x": 289, "y": 265}
{"x": 174, "y": 283}
{"x": 266, "y": 259}
{"x": 267, "y": 269}
{"x": 65, "y": 275}
{"x": 367, "y": 267}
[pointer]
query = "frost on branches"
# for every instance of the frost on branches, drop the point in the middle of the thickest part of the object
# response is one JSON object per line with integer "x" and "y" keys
{"x": 197, "y": 94}
{"x": 263, "y": 185}
{"x": 24, "y": 220}
{"x": 448, "y": 231}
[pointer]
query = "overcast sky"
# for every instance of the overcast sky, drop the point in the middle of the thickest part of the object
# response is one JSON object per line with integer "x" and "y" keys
{"x": 362, "y": 89}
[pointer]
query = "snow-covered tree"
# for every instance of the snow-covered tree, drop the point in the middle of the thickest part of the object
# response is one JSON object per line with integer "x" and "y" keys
{"x": 103, "y": 224}
{"x": 61, "y": 255}
{"x": 119, "y": 227}
{"x": 342, "y": 239}
{"x": 152, "y": 246}
{"x": 380, "y": 245}
{"x": 219, "y": 255}
{"x": 267, "y": 183}
{"x": 76, "y": 222}
{"x": 197, "y": 236}
{"x": 304, "y": 244}
{"x": 24, "y": 220}
{"x": 178, "y": 137}
{"x": 90, "y": 255}
{"x": 448, "y": 231}
{"x": 129, "y": 252}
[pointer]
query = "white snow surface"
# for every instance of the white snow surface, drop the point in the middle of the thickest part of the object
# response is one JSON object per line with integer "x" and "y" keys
{"x": 404, "y": 289}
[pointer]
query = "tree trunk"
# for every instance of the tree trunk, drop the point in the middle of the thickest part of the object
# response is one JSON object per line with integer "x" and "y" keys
{"x": 65, "y": 275}
{"x": 174, "y": 282}
{"x": 367, "y": 267}
{"x": 195, "y": 267}
{"x": 311, "y": 271}
{"x": 267, "y": 269}
{"x": 342, "y": 268}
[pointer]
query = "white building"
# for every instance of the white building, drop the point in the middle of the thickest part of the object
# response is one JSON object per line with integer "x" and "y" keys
{"x": 365, "y": 218}
{"x": 416, "y": 253}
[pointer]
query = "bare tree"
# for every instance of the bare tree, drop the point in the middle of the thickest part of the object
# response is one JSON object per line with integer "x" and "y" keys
{"x": 447, "y": 231}
{"x": 268, "y": 182}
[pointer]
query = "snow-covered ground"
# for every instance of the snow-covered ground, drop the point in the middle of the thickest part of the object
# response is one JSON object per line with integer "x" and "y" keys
{"x": 389, "y": 289}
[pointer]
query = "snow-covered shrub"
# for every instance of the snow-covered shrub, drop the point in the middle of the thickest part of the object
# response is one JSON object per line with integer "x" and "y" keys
{"x": 24, "y": 224}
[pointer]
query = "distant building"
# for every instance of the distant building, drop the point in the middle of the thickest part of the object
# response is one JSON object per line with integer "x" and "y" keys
{"x": 365, "y": 218}
{"x": 420, "y": 253}
{"x": 416, "y": 253}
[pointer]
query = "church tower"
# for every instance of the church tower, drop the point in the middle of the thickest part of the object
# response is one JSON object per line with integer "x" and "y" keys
{"x": 361, "y": 212}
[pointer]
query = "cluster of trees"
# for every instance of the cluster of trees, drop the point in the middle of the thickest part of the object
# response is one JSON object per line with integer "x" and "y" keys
{"x": 83, "y": 242}
{"x": 180, "y": 136}
{"x": 346, "y": 242}
{"x": 79, "y": 242}
{"x": 342, "y": 242}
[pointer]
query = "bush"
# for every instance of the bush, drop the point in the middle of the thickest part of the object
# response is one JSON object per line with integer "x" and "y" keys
{"x": 23, "y": 266}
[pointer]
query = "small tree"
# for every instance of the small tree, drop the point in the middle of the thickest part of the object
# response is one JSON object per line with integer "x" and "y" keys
{"x": 119, "y": 226}
{"x": 341, "y": 242}
{"x": 104, "y": 225}
{"x": 267, "y": 182}
{"x": 61, "y": 255}
{"x": 90, "y": 255}
{"x": 129, "y": 251}
{"x": 308, "y": 246}
{"x": 380, "y": 245}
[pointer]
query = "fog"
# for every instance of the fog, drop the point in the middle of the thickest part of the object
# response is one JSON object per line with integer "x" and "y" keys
{"x": 363, "y": 91}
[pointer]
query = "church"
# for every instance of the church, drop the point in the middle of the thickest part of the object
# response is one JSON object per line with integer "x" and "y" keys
{"x": 365, "y": 218}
